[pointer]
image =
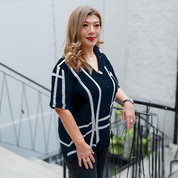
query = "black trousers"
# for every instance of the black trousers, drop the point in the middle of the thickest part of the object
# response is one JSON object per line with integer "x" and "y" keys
{"x": 98, "y": 167}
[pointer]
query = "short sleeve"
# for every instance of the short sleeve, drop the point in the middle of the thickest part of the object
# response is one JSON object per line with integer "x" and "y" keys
{"x": 61, "y": 86}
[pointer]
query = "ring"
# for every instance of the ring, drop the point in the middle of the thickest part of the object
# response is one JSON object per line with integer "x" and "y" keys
{"x": 88, "y": 160}
{"x": 131, "y": 121}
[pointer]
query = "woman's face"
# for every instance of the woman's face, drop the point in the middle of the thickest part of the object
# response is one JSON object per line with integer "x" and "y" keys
{"x": 90, "y": 32}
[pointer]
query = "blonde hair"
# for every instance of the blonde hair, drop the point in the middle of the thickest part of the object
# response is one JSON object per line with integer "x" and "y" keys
{"x": 72, "y": 51}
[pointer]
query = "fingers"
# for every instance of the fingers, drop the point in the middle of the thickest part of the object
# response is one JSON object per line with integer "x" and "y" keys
{"x": 90, "y": 163}
{"x": 129, "y": 114}
{"x": 79, "y": 162}
{"x": 86, "y": 156}
{"x": 92, "y": 158}
{"x": 85, "y": 163}
{"x": 130, "y": 121}
{"x": 129, "y": 124}
{"x": 123, "y": 117}
{"x": 92, "y": 151}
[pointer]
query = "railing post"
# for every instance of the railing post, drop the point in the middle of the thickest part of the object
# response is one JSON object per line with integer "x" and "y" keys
{"x": 141, "y": 152}
{"x": 176, "y": 111}
{"x": 159, "y": 157}
{"x": 153, "y": 146}
{"x": 64, "y": 169}
{"x": 162, "y": 155}
{"x": 156, "y": 153}
{"x": 175, "y": 126}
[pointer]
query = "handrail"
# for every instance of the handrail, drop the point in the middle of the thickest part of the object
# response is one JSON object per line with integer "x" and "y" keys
{"x": 151, "y": 104}
{"x": 24, "y": 77}
{"x": 155, "y": 105}
{"x": 23, "y": 82}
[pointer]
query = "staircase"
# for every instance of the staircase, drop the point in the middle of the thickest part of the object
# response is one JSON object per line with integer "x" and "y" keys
{"x": 16, "y": 166}
{"x": 170, "y": 154}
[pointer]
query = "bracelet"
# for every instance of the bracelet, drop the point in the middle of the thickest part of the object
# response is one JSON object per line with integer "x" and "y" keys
{"x": 82, "y": 148}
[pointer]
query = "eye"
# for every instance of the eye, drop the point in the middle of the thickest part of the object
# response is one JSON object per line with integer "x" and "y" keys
{"x": 85, "y": 25}
{"x": 97, "y": 25}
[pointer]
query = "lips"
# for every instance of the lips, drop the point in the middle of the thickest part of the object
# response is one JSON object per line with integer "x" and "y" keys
{"x": 91, "y": 38}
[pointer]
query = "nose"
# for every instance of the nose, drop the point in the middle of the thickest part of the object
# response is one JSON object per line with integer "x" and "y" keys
{"x": 91, "y": 29}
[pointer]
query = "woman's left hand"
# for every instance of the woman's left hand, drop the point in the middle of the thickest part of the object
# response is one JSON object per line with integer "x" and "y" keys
{"x": 129, "y": 114}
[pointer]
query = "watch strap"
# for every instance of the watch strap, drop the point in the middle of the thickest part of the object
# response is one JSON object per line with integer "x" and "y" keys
{"x": 131, "y": 100}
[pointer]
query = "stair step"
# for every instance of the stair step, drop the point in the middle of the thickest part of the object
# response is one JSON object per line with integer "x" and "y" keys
{"x": 16, "y": 166}
{"x": 53, "y": 167}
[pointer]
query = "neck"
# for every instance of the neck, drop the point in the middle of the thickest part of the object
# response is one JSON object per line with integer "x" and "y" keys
{"x": 88, "y": 52}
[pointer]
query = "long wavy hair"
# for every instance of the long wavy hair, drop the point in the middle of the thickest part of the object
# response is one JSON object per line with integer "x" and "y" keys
{"x": 72, "y": 51}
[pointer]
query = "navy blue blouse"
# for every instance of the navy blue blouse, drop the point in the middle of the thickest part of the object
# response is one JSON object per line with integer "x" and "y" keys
{"x": 89, "y": 98}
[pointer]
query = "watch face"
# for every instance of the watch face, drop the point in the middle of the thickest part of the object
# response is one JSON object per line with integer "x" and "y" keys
{"x": 132, "y": 101}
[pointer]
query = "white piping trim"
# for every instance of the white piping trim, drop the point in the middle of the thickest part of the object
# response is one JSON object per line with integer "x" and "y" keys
{"x": 71, "y": 152}
{"x": 110, "y": 74}
{"x": 55, "y": 75}
{"x": 74, "y": 151}
{"x": 83, "y": 126}
{"x": 102, "y": 119}
{"x": 99, "y": 128}
{"x": 63, "y": 90}
{"x": 67, "y": 145}
{"x": 87, "y": 133}
{"x": 104, "y": 126}
{"x": 98, "y": 108}
{"x": 91, "y": 102}
{"x": 55, "y": 84}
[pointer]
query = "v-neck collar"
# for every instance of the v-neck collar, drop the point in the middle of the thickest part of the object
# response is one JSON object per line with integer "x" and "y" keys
{"x": 98, "y": 55}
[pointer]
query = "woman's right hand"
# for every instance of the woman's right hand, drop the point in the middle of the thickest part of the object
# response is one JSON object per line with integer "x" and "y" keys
{"x": 85, "y": 154}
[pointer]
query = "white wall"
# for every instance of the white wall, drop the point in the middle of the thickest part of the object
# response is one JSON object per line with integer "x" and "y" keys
{"x": 141, "y": 42}
{"x": 27, "y": 34}
{"x": 115, "y": 34}
{"x": 151, "y": 61}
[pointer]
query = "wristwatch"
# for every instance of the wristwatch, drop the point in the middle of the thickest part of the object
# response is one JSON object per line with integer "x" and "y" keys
{"x": 130, "y": 99}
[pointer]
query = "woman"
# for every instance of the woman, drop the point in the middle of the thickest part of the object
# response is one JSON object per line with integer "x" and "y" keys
{"x": 84, "y": 87}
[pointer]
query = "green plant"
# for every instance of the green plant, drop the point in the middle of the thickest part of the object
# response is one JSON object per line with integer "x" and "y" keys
{"x": 118, "y": 111}
{"x": 117, "y": 143}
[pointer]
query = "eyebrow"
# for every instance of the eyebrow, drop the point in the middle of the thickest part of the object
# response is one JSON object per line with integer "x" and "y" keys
{"x": 94, "y": 22}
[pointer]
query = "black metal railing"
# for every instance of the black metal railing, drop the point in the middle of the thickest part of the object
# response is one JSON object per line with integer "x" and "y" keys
{"x": 139, "y": 152}
{"x": 26, "y": 121}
